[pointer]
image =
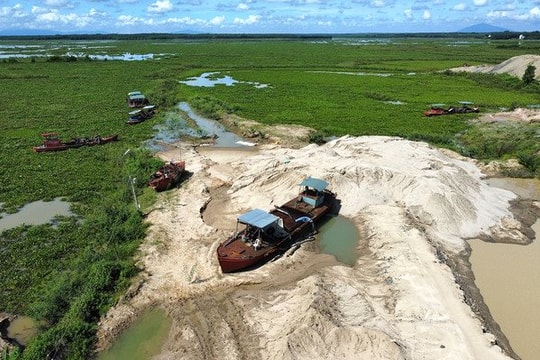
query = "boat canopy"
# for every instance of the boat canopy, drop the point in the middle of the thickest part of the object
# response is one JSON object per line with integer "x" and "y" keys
{"x": 314, "y": 183}
{"x": 258, "y": 218}
{"x": 137, "y": 97}
{"x": 134, "y": 93}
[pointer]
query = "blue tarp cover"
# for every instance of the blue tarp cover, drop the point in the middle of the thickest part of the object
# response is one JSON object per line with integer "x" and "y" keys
{"x": 314, "y": 183}
{"x": 258, "y": 218}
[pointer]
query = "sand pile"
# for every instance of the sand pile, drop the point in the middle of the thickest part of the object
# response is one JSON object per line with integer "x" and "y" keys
{"x": 514, "y": 66}
{"x": 414, "y": 207}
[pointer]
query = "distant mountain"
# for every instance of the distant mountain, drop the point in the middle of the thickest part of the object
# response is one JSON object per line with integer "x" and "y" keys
{"x": 482, "y": 28}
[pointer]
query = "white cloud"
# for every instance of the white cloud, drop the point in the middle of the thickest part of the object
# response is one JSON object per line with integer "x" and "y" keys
{"x": 532, "y": 14}
{"x": 128, "y": 20}
{"x": 426, "y": 15}
{"x": 250, "y": 20}
{"x": 58, "y": 3}
{"x": 408, "y": 13}
{"x": 218, "y": 20}
{"x": 160, "y": 6}
{"x": 242, "y": 6}
{"x": 479, "y": 2}
{"x": 16, "y": 11}
{"x": 460, "y": 7}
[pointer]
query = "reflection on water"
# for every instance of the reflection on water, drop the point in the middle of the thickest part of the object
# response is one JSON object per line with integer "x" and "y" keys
{"x": 123, "y": 57}
{"x": 176, "y": 126}
{"x": 212, "y": 127}
{"x": 210, "y": 79}
{"x": 508, "y": 277}
{"x": 35, "y": 213}
{"x": 143, "y": 339}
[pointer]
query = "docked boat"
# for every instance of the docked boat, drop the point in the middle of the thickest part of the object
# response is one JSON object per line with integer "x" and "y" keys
{"x": 440, "y": 109}
{"x": 52, "y": 142}
{"x": 261, "y": 235}
{"x": 167, "y": 175}
{"x": 136, "y": 99}
{"x": 140, "y": 115}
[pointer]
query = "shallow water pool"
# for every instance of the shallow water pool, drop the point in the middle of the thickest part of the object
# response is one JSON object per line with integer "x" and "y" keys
{"x": 339, "y": 236}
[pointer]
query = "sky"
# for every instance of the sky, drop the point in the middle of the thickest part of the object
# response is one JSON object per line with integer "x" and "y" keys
{"x": 264, "y": 16}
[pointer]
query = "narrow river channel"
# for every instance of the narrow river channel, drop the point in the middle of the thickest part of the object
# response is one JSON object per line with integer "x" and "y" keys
{"x": 508, "y": 277}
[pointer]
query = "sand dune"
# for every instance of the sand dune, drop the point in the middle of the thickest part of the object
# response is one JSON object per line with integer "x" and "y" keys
{"x": 414, "y": 206}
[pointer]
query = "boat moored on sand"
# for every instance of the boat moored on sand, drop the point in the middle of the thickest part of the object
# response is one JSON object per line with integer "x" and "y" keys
{"x": 167, "y": 175}
{"x": 261, "y": 235}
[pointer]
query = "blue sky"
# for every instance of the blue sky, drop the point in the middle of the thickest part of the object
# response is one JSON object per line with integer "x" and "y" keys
{"x": 265, "y": 16}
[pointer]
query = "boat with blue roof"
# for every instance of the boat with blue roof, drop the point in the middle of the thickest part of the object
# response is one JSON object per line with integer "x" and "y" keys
{"x": 262, "y": 235}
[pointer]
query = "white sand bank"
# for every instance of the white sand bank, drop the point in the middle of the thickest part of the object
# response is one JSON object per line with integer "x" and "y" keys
{"x": 413, "y": 204}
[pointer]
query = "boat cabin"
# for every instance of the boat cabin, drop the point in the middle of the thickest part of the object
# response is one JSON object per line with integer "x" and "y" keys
{"x": 313, "y": 193}
{"x": 259, "y": 224}
{"x": 136, "y": 99}
{"x": 51, "y": 139}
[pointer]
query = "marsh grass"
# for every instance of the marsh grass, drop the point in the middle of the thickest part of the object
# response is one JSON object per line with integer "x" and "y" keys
{"x": 68, "y": 276}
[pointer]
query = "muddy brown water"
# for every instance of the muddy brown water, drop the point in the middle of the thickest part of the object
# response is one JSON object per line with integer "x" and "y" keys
{"x": 35, "y": 213}
{"x": 508, "y": 277}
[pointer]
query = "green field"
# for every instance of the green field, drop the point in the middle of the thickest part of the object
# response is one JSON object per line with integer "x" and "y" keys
{"x": 67, "y": 276}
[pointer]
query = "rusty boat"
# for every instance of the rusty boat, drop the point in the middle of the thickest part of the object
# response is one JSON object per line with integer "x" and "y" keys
{"x": 167, "y": 176}
{"x": 260, "y": 235}
{"x": 52, "y": 142}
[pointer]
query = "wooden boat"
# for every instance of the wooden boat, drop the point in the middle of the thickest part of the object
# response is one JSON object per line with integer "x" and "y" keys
{"x": 52, "y": 142}
{"x": 261, "y": 235}
{"x": 436, "y": 110}
{"x": 136, "y": 99}
{"x": 440, "y": 109}
{"x": 98, "y": 140}
{"x": 167, "y": 176}
{"x": 140, "y": 115}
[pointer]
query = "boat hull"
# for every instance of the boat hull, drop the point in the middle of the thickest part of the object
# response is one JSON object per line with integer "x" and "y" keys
{"x": 167, "y": 176}
{"x": 57, "y": 145}
{"x": 231, "y": 264}
{"x": 298, "y": 218}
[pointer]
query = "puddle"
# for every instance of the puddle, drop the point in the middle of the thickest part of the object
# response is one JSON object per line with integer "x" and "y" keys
{"x": 339, "y": 237}
{"x": 508, "y": 277}
{"x": 142, "y": 340}
{"x": 210, "y": 79}
{"x": 35, "y": 213}
{"x": 22, "y": 329}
